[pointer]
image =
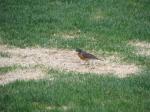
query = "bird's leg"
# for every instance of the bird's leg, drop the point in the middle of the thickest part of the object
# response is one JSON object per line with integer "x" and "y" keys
{"x": 92, "y": 64}
{"x": 82, "y": 62}
{"x": 87, "y": 63}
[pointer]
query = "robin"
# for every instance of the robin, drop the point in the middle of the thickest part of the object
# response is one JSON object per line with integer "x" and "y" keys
{"x": 85, "y": 56}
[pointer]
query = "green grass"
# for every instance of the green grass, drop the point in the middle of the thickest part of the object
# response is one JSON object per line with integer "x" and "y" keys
{"x": 6, "y": 69}
{"x": 4, "y": 55}
{"x": 30, "y": 23}
{"x": 34, "y": 23}
{"x": 78, "y": 93}
{"x": 105, "y": 26}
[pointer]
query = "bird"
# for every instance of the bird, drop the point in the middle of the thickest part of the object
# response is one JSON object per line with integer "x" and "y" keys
{"x": 83, "y": 55}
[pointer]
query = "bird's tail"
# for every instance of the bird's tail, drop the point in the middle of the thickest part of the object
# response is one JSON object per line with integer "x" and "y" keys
{"x": 100, "y": 59}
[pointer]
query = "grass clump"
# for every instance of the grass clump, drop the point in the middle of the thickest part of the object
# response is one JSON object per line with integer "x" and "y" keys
{"x": 6, "y": 69}
{"x": 4, "y": 55}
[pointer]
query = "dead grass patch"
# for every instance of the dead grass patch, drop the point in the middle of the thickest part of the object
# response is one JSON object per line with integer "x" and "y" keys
{"x": 59, "y": 59}
{"x": 64, "y": 108}
{"x": 142, "y": 48}
{"x": 50, "y": 107}
{"x": 68, "y": 35}
{"x": 21, "y": 74}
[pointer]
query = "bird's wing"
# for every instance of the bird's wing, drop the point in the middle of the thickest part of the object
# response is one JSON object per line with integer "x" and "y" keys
{"x": 88, "y": 55}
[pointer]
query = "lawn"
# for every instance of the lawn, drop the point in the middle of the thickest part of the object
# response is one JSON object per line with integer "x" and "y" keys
{"x": 101, "y": 26}
{"x": 73, "y": 92}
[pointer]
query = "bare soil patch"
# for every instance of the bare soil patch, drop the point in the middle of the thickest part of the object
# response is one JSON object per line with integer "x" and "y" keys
{"x": 142, "y": 48}
{"x": 21, "y": 74}
{"x": 68, "y": 35}
{"x": 59, "y": 59}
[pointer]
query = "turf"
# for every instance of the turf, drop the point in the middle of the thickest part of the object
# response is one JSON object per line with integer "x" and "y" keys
{"x": 101, "y": 25}
{"x": 31, "y": 23}
{"x": 78, "y": 93}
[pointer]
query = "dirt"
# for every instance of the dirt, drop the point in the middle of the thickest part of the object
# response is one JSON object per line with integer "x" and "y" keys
{"x": 21, "y": 74}
{"x": 68, "y": 35}
{"x": 61, "y": 60}
{"x": 142, "y": 48}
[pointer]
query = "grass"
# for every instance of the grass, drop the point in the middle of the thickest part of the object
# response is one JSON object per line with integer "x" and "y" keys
{"x": 101, "y": 26}
{"x": 31, "y": 23}
{"x": 6, "y": 69}
{"x": 78, "y": 93}
{"x": 104, "y": 25}
{"x": 4, "y": 55}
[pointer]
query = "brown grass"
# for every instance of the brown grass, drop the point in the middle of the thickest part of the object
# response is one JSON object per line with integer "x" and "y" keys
{"x": 59, "y": 59}
{"x": 21, "y": 74}
{"x": 142, "y": 48}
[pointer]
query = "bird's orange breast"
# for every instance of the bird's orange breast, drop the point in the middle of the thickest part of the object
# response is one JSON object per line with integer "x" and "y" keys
{"x": 81, "y": 56}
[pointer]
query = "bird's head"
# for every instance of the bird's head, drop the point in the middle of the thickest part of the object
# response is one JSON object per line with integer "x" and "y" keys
{"x": 78, "y": 50}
